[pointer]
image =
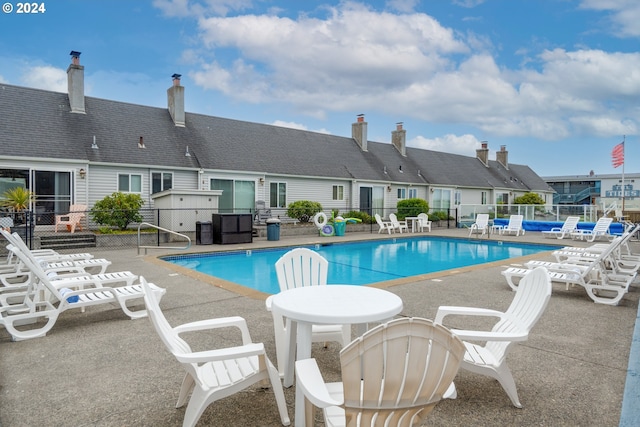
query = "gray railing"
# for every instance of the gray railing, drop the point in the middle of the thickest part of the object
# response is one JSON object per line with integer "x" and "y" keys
{"x": 146, "y": 224}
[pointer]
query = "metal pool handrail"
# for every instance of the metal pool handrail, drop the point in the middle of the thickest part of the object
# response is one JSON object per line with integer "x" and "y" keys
{"x": 146, "y": 224}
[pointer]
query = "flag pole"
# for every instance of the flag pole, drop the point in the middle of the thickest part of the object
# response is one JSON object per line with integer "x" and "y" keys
{"x": 623, "y": 159}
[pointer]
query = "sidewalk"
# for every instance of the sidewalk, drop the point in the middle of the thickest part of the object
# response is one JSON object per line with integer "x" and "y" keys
{"x": 99, "y": 368}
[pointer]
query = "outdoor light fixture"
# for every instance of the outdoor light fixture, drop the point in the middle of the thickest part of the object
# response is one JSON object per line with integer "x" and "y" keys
{"x": 261, "y": 181}
{"x": 82, "y": 173}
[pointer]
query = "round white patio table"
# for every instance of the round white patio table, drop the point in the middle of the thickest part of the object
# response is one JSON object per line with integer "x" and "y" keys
{"x": 327, "y": 305}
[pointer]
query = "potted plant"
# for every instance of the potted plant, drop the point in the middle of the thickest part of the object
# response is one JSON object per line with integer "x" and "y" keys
{"x": 17, "y": 200}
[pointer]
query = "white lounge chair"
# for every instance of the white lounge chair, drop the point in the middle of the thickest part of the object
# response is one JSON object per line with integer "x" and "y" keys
{"x": 600, "y": 230}
{"x": 393, "y": 375}
{"x": 214, "y": 374}
{"x": 297, "y": 268}
{"x": 398, "y": 225}
{"x": 384, "y": 225}
{"x": 423, "y": 222}
{"x": 602, "y": 286}
{"x": 513, "y": 326}
{"x": 569, "y": 226}
{"x": 22, "y": 310}
{"x": 481, "y": 226}
{"x": 514, "y": 225}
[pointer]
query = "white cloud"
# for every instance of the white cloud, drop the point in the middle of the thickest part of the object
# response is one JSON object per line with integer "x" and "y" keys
{"x": 2, "y": 79}
{"x": 624, "y": 18}
{"x": 45, "y": 77}
{"x": 410, "y": 66}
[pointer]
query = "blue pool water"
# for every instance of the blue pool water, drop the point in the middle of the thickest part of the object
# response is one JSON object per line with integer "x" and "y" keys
{"x": 358, "y": 263}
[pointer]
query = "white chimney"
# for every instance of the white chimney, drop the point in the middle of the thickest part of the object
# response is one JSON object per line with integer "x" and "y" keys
{"x": 175, "y": 98}
{"x": 75, "y": 83}
{"x": 399, "y": 139}
{"x": 359, "y": 132}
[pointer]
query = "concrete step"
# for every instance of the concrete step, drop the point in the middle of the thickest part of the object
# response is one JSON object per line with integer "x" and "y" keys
{"x": 68, "y": 241}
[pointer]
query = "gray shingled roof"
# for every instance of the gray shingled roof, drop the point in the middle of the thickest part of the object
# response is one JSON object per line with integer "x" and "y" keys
{"x": 38, "y": 123}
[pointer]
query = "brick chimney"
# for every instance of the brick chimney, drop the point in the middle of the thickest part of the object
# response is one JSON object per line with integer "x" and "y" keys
{"x": 483, "y": 153}
{"x": 175, "y": 99}
{"x": 359, "y": 132}
{"x": 502, "y": 156}
{"x": 399, "y": 139}
{"x": 75, "y": 83}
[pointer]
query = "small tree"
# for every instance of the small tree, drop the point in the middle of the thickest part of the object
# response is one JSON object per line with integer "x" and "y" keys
{"x": 411, "y": 207}
{"x": 303, "y": 210}
{"x": 118, "y": 210}
{"x": 17, "y": 198}
{"x": 529, "y": 199}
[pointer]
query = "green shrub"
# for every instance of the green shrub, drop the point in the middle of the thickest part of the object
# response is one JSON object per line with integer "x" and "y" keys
{"x": 363, "y": 216}
{"x": 303, "y": 210}
{"x": 529, "y": 199}
{"x": 439, "y": 216}
{"x": 118, "y": 210}
{"x": 411, "y": 207}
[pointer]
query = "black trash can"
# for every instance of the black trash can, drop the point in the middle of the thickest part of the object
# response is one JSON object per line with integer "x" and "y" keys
{"x": 273, "y": 229}
{"x": 204, "y": 233}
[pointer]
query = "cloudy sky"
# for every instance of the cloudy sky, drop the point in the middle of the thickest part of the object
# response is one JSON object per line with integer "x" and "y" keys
{"x": 555, "y": 81}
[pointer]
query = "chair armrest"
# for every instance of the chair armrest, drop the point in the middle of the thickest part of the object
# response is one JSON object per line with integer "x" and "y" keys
{"x": 490, "y": 336}
{"x": 223, "y": 322}
{"x": 446, "y": 310}
{"x": 255, "y": 349}
{"x": 267, "y": 302}
{"x": 312, "y": 385}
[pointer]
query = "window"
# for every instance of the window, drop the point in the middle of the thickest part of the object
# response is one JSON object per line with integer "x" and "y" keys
{"x": 129, "y": 183}
{"x": 161, "y": 181}
{"x": 413, "y": 193}
{"x": 457, "y": 196}
{"x": 483, "y": 198}
{"x": 278, "y": 195}
{"x": 237, "y": 196}
{"x": 441, "y": 199}
{"x": 338, "y": 192}
{"x": 503, "y": 199}
{"x": 402, "y": 193}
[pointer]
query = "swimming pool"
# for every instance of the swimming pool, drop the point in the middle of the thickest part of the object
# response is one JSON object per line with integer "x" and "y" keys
{"x": 358, "y": 263}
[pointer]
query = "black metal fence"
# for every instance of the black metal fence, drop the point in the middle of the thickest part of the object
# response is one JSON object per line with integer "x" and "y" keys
{"x": 38, "y": 229}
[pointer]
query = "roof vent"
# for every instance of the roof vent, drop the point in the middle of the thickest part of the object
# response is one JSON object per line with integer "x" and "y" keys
{"x": 186, "y": 153}
{"x": 94, "y": 145}
{"x": 141, "y": 143}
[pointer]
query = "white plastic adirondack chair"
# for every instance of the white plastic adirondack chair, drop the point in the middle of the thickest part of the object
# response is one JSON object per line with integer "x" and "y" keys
{"x": 514, "y": 225}
{"x": 214, "y": 374}
{"x": 393, "y": 375}
{"x": 513, "y": 326}
{"x": 601, "y": 229}
{"x": 297, "y": 268}
{"x": 423, "y": 222}
{"x": 570, "y": 225}
{"x": 398, "y": 225}
{"x": 481, "y": 226}
{"x": 73, "y": 219}
{"x": 384, "y": 225}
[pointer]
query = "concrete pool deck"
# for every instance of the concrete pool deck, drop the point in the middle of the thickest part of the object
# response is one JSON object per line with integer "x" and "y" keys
{"x": 100, "y": 368}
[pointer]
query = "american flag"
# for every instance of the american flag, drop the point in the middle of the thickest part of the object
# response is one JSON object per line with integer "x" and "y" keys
{"x": 617, "y": 155}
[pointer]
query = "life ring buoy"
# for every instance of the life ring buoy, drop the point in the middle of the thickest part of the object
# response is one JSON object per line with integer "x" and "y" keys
{"x": 327, "y": 230}
{"x": 320, "y": 220}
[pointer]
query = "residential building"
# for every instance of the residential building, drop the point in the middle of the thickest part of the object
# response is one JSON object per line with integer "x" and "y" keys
{"x": 69, "y": 148}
